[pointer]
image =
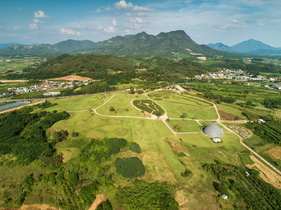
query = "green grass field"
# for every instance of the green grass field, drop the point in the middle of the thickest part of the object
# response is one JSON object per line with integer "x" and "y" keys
{"x": 184, "y": 125}
{"x": 122, "y": 105}
{"x": 158, "y": 157}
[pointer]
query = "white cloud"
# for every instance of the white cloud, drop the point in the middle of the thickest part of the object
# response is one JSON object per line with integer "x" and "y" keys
{"x": 141, "y": 14}
{"x": 108, "y": 9}
{"x": 123, "y": 5}
{"x": 109, "y": 30}
{"x": 100, "y": 28}
{"x": 40, "y": 14}
{"x": 114, "y": 22}
{"x": 37, "y": 21}
{"x": 70, "y": 32}
{"x": 15, "y": 28}
{"x": 128, "y": 31}
{"x": 98, "y": 10}
{"x": 138, "y": 20}
{"x": 33, "y": 26}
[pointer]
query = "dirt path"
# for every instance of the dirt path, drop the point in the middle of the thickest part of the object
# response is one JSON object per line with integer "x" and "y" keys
{"x": 99, "y": 199}
{"x": 267, "y": 174}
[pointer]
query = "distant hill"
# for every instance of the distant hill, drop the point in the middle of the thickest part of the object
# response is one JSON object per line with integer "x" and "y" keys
{"x": 4, "y": 45}
{"x": 175, "y": 44}
{"x": 221, "y": 47}
{"x": 171, "y": 44}
{"x": 250, "y": 47}
{"x": 94, "y": 66}
{"x": 61, "y": 47}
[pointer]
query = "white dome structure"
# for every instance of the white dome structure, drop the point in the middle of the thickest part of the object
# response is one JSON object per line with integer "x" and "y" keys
{"x": 213, "y": 131}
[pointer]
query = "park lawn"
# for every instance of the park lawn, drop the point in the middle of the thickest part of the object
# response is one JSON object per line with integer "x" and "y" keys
{"x": 184, "y": 125}
{"x": 176, "y": 110}
{"x": 122, "y": 105}
{"x": 79, "y": 103}
{"x": 149, "y": 134}
{"x": 174, "y": 97}
{"x": 206, "y": 151}
{"x": 161, "y": 163}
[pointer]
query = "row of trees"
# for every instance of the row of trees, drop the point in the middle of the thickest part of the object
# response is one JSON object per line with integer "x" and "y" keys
{"x": 256, "y": 193}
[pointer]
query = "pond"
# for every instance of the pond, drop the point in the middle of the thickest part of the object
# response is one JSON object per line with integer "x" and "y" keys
{"x": 12, "y": 105}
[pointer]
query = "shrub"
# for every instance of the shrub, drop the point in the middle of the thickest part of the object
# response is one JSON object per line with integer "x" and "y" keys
{"x": 113, "y": 150}
{"x": 118, "y": 142}
{"x": 129, "y": 167}
{"x": 135, "y": 148}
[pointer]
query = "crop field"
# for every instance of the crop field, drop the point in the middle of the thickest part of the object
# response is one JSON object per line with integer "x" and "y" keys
{"x": 17, "y": 64}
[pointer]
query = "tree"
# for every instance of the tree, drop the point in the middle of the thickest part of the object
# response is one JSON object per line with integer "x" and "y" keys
{"x": 184, "y": 115}
{"x": 132, "y": 90}
{"x": 111, "y": 109}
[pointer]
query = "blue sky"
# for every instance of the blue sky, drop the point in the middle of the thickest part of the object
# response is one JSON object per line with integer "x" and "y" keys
{"x": 205, "y": 21}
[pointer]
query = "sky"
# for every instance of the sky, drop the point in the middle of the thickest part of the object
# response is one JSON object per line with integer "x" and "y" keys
{"x": 205, "y": 21}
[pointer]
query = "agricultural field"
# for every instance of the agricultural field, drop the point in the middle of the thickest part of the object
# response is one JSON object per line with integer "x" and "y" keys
{"x": 17, "y": 64}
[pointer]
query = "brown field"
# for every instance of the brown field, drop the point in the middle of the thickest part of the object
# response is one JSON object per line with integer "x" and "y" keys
{"x": 13, "y": 80}
{"x": 266, "y": 173}
{"x": 72, "y": 77}
{"x": 229, "y": 116}
{"x": 274, "y": 153}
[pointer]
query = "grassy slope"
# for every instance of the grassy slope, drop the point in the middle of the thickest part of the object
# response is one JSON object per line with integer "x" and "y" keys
{"x": 160, "y": 161}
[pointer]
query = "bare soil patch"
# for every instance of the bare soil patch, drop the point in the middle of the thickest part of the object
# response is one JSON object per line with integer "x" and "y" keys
{"x": 13, "y": 80}
{"x": 181, "y": 198}
{"x": 266, "y": 173}
{"x": 72, "y": 77}
{"x": 229, "y": 116}
{"x": 99, "y": 199}
{"x": 178, "y": 147}
{"x": 274, "y": 153}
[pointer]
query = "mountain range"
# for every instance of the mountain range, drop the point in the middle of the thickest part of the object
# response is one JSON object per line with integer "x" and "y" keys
{"x": 249, "y": 47}
{"x": 61, "y": 47}
{"x": 174, "y": 44}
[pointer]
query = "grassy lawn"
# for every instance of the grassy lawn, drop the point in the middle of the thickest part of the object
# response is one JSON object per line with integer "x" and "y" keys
{"x": 79, "y": 103}
{"x": 161, "y": 162}
{"x": 176, "y": 110}
{"x": 184, "y": 126}
{"x": 174, "y": 97}
{"x": 122, "y": 105}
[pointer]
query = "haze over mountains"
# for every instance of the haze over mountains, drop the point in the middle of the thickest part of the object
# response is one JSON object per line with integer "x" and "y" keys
{"x": 171, "y": 44}
{"x": 250, "y": 47}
